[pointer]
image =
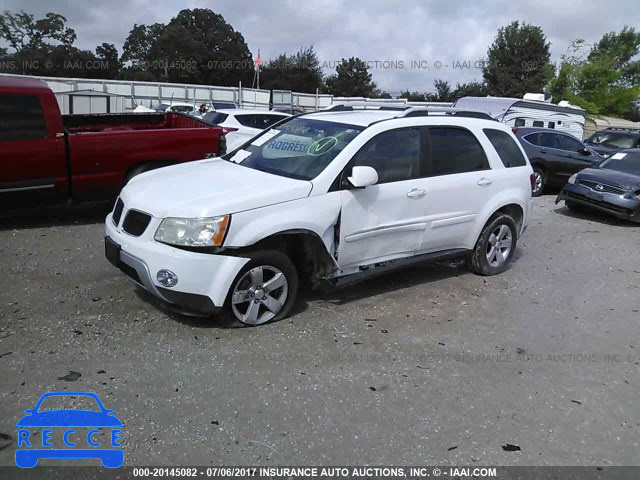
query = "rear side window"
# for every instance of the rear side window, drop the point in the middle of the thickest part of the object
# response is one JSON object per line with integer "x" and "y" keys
{"x": 21, "y": 118}
{"x": 214, "y": 118}
{"x": 455, "y": 150}
{"x": 248, "y": 120}
{"x": 519, "y": 122}
{"x": 506, "y": 147}
{"x": 538, "y": 123}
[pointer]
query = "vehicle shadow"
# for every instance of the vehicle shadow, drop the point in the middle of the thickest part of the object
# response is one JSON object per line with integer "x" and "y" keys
{"x": 58, "y": 215}
{"x": 407, "y": 277}
{"x": 594, "y": 216}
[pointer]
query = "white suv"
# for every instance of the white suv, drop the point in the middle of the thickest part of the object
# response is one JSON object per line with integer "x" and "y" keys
{"x": 329, "y": 196}
{"x": 241, "y": 124}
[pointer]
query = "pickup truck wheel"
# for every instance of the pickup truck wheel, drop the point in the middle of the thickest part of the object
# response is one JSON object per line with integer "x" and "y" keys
{"x": 495, "y": 246}
{"x": 540, "y": 181}
{"x": 265, "y": 290}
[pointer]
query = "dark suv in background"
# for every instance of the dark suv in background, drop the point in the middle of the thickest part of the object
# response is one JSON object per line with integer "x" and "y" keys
{"x": 612, "y": 140}
{"x": 554, "y": 156}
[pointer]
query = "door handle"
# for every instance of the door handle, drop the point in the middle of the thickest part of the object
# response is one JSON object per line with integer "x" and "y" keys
{"x": 416, "y": 193}
{"x": 483, "y": 182}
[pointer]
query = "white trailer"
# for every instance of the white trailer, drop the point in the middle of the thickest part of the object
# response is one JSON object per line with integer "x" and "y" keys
{"x": 517, "y": 112}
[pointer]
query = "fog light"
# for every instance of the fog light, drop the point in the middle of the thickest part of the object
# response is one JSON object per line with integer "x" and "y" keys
{"x": 167, "y": 278}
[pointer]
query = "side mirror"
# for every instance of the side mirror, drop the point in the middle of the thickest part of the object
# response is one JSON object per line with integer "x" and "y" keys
{"x": 584, "y": 151}
{"x": 363, "y": 177}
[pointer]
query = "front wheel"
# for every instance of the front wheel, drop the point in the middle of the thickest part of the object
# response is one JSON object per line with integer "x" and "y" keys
{"x": 495, "y": 246}
{"x": 265, "y": 289}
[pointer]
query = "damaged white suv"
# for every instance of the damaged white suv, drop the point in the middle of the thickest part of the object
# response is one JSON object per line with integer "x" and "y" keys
{"x": 337, "y": 195}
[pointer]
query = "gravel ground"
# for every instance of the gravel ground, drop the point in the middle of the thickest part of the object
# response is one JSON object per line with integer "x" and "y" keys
{"x": 430, "y": 365}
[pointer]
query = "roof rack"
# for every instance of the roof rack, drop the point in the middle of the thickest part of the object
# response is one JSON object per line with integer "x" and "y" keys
{"x": 366, "y": 105}
{"x": 453, "y": 111}
{"x": 624, "y": 129}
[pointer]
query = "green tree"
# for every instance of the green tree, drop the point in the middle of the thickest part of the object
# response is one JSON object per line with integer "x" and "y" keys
{"x": 471, "y": 89}
{"x": 24, "y": 33}
{"x": 352, "y": 79}
{"x": 196, "y": 46}
{"x": 603, "y": 78}
{"x": 107, "y": 53}
{"x": 443, "y": 92}
{"x": 377, "y": 93}
{"x": 300, "y": 72}
{"x": 413, "y": 96}
{"x": 518, "y": 61}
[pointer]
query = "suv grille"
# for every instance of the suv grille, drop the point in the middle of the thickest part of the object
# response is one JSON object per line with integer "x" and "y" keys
{"x": 135, "y": 223}
{"x": 604, "y": 187}
{"x": 117, "y": 212}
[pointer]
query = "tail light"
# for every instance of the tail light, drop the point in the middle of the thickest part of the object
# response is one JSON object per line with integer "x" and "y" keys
{"x": 514, "y": 130}
{"x": 532, "y": 179}
{"x": 226, "y": 130}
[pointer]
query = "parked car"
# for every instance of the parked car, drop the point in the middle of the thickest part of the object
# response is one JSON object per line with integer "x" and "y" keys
{"x": 326, "y": 196}
{"x": 613, "y": 187}
{"x": 241, "y": 124}
{"x": 612, "y": 140}
{"x": 46, "y": 157}
{"x": 554, "y": 156}
{"x": 181, "y": 107}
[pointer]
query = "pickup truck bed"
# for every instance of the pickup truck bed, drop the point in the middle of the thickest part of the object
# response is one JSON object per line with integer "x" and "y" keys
{"x": 49, "y": 158}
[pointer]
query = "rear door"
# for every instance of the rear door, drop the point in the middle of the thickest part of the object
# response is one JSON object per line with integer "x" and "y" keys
{"x": 32, "y": 153}
{"x": 459, "y": 183}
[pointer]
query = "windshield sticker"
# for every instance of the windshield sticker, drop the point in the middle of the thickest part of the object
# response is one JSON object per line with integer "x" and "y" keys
{"x": 322, "y": 146}
{"x": 286, "y": 145}
{"x": 240, "y": 156}
{"x": 265, "y": 138}
{"x": 618, "y": 156}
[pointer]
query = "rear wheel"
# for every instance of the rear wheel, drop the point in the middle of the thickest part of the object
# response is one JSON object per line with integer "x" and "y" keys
{"x": 265, "y": 290}
{"x": 495, "y": 246}
{"x": 540, "y": 181}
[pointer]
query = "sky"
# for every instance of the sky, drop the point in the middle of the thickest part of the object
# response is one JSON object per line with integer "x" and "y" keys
{"x": 407, "y": 43}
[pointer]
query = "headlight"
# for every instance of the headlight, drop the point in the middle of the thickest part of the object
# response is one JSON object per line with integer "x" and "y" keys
{"x": 193, "y": 232}
{"x": 572, "y": 178}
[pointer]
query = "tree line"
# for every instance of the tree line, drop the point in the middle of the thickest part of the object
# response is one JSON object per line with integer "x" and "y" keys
{"x": 198, "y": 46}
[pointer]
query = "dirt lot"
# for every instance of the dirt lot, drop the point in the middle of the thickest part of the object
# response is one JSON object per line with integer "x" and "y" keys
{"x": 431, "y": 365}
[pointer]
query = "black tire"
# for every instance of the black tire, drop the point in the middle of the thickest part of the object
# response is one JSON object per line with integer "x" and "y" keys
{"x": 268, "y": 261}
{"x": 541, "y": 182}
{"x": 478, "y": 261}
{"x": 133, "y": 172}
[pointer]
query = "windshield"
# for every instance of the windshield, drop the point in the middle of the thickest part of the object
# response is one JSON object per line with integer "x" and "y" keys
{"x": 214, "y": 118}
{"x": 301, "y": 148}
{"x": 611, "y": 140}
{"x": 623, "y": 162}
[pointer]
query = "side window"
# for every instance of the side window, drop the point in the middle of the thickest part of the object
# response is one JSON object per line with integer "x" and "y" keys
{"x": 455, "y": 150}
{"x": 265, "y": 121}
{"x": 551, "y": 125}
{"x": 394, "y": 154}
{"x": 549, "y": 140}
{"x": 247, "y": 120}
{"x": 506, "y": 147}
{"x": 570, "y": 144}
{"x": 21, "y": 118}
{"x": 533, "y": 138}
{"x": 538, "y": 123}
{"x": 520, "y": 122}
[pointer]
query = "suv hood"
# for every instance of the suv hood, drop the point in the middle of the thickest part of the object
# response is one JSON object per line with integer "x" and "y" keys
{"x": 624, "y": 180}
{"x": 208, "y": 188}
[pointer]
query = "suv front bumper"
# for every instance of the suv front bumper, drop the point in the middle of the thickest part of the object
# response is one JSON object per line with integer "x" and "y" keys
{"x": 204, "y": 279}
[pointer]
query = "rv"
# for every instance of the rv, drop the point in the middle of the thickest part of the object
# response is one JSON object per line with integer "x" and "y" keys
{"x": 523, "y": 112}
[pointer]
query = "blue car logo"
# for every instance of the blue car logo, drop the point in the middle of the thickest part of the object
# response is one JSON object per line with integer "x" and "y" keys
{"x": 74, "y": 427}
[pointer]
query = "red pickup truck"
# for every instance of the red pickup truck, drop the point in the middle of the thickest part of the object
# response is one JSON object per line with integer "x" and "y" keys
{"x": 46, "y": 157}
